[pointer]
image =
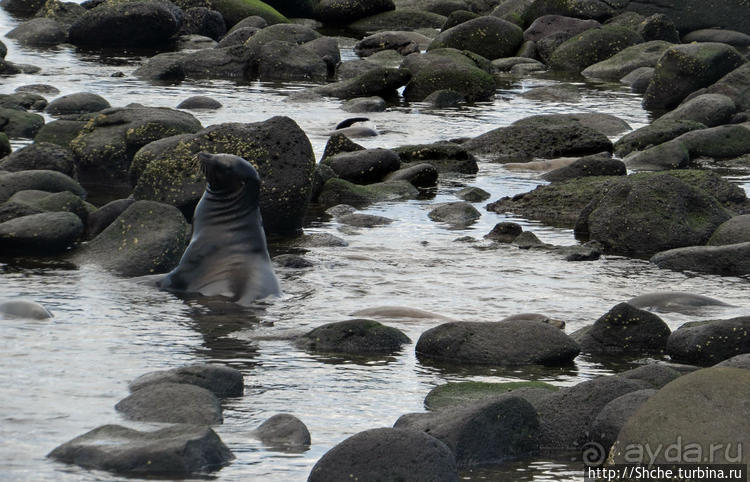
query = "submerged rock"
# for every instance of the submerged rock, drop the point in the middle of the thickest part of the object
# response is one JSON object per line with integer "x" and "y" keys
{"x": 222, "y": 381}
{"x": 724, "y": 260}
{"x": 338, "y": 191}
{"x": 457, "y": 214}
{"x": 354, "y": 337}
{"x": 457, "y": 394}
{"x": 172, "y": 403}
{"x": 283, "y": 430}
{"x": 519, "y": 342}
{"x": 178, "y": 449}
{"x": 387, "y": 454}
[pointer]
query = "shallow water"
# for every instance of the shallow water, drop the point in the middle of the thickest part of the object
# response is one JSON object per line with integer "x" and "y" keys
{"x": 62, "y": 377}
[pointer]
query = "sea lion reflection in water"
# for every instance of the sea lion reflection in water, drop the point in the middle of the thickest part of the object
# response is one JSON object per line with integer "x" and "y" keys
{"x": 227, "y": 255}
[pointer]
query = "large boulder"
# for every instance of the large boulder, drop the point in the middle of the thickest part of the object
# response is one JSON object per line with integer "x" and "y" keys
{"x": 42, "y": 234}
{"x": 177, "y": 449}
{"x": 344, "y": 12}
{"x": 354, "y": 337}
{"x": 447, "y": 69}
{"x": 490, "y": 37}
{"x": 669, "y": 155}
{"x": 222, "y": 381}
{"x": 683, "y": 69}
{"x": 592, "y": 46}
{"x": 172, "y": 403}
{"x": 547, "y": 25}
{"x": 541, "y": 136}
{"x": 720, "y": 142}
{"x": 624, "y": 329}
{"x": 387, "y": 454}
{"x": 482, "y": 432}
{"x": 23, "y": 8}
{"x": 281, "y": 152}
{"x": 149, "y": 237}
{"x": 640, "y": 216}
{"x": 566, "y": 416}
{"x": 600, "y": 164}
{"x": 701, "y": 417}
{"x": 517, "y": 342}
{"x": 614, "y": 68}
{"x": 146, "y": 23}
{"x": 284, "y": 61}
{"x": 41, "y": 155}
{"x": 105, "y": 147}
{"x": 706, "y": 343}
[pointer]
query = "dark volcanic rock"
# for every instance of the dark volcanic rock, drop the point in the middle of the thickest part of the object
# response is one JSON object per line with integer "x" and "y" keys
{"x": 706, "y": 343}
{"x": 41, "y": 234}
{"x": 502, "y": 343}
{"x": 387, "y": 454}
{"x": 699, "y": 409}
{"x": 354, "y": 337}
{"x": 642, "y": 216}
{"x": 38, "y": 180}
{"x": 684, "y": 69}
{"x": 178, "y": 449}
{"x": 284, "y": 430}
{"x": 624, "y": 329}
{"x": 133, "y": 24}
{"x": 148, "y": 237}
{"x": 172, "y": 403}
{"x": 490, "y": 37}
{"x": 595, "y": 165}
{"x": 482, "y": 432}
{"x": 613, "y": 416}
{"x": 281, "y": 152}
{"x": 40, "y": 155}
{"x": 222, "y": 381}
{"x": 364, "y": 167}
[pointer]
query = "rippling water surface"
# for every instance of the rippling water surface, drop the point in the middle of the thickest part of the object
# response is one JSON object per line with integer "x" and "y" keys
{"x": 61, "y": 378}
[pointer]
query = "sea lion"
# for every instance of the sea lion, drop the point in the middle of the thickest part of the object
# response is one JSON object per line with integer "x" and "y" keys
{"x": 348, "y": 128}
{"x": 30, "y": 310}
{"x": 227, "y": 255}
{"x": 541, "y": 165}
{"x": 536, "y": 317}
{"x": 674, "y": 301}
{"x": 398, "y": 312}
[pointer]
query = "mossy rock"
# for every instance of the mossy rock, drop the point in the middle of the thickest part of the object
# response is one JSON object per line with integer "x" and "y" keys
{"x": 592, "y": 46}
{"x": 235, "y": 10}
{"x": 461, "y": 393}
{"x": 627, "y": 60}
{"x": 683, "y": 69}
{"x": 19, "y": 123}
{"x": 342, "y": 12}
{"x": 401, "y": 19}
{"x": 338, "y": 191}
{"x": 657, "y": 132}
{"x": 490, "y": 37}
{"x": 105, "y": 147}
{"x": 167, "y": 171}
{"x": 449, "y": 69}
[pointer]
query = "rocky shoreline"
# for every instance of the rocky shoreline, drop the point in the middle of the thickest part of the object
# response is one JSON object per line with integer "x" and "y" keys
{"x": 655, "y": 194}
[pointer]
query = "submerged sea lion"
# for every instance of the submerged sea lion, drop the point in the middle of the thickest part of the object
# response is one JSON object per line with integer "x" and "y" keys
{"x": 674, "y": 301}
{"x": 227, "y": 255}
{"x": 30, "y": 310}
{"x": 348, "y": 128}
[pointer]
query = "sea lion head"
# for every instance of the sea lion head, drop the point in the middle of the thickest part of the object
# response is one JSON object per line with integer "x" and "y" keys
{"x": 227, "y": 172}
